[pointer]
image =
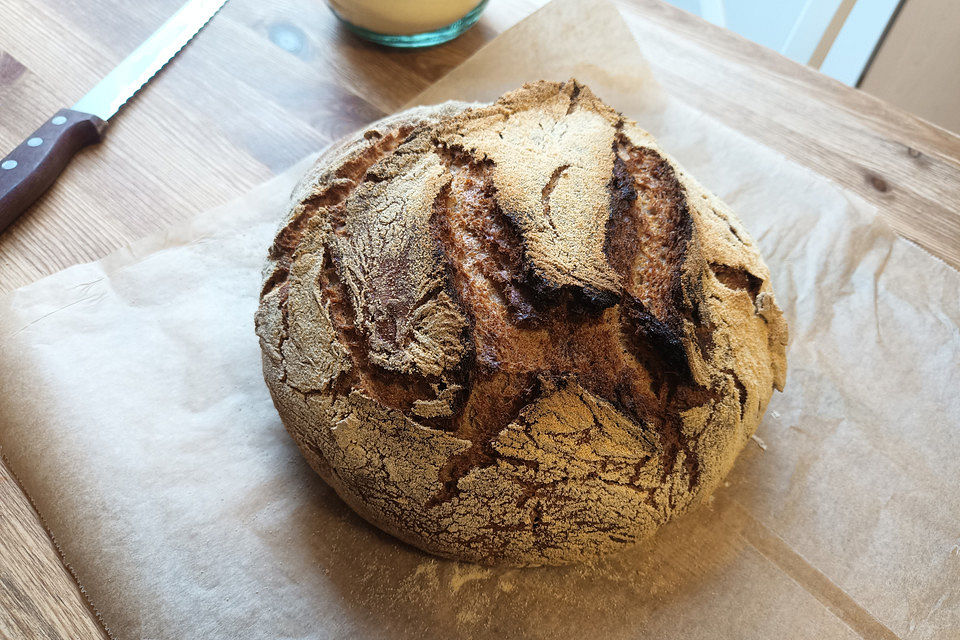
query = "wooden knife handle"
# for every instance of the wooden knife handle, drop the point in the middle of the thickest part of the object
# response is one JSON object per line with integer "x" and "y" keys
{"x": 29, "y": 170}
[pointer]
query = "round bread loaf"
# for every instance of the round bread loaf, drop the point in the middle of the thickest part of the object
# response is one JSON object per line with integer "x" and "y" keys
{"x": 516, "y": 332}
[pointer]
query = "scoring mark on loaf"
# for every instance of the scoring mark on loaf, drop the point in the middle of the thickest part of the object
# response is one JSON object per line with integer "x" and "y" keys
{"x": 331, "y": 196}
{"x": 737, "y": 278}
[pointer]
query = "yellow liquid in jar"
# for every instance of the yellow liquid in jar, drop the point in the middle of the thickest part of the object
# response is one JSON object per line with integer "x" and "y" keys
{"x": 402, "y": 17}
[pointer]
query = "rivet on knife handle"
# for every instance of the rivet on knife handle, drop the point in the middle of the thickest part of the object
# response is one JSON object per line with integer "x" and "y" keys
{"x": 29, "y": 170}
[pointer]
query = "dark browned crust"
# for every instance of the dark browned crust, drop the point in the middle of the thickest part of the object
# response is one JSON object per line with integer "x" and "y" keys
{"x": 633, "y": 359}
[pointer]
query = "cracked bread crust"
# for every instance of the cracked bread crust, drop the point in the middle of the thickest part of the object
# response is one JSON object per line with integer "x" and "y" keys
{"x": 519, "y": 332}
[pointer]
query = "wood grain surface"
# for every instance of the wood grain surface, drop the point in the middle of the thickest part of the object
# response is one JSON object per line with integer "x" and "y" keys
{"x": 269, "y": 81}
{"x": 38, "y": 597}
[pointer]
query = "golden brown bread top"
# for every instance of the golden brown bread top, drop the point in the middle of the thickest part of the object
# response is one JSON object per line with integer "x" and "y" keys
{"x": 489, "y": 271}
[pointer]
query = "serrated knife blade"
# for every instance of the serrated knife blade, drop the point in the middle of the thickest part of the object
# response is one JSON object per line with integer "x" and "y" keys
{"x": 111, "y": 93}
{"x": 29, "y": 170}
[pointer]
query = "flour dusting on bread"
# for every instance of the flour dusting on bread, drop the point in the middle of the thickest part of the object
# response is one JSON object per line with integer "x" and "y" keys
{"x": 516, "y": 332}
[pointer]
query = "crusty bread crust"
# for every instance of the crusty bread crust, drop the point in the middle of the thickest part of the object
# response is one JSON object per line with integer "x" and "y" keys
{"x": 516, "y": 332}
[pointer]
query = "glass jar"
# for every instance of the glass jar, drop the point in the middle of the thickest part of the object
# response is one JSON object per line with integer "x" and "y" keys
{"x": 408, "y": 23}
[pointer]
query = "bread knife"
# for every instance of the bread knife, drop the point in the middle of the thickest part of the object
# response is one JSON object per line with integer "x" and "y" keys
{"x": 29, "y": 170}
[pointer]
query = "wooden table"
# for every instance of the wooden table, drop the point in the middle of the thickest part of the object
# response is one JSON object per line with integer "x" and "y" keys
{"x": 270, "y": 80}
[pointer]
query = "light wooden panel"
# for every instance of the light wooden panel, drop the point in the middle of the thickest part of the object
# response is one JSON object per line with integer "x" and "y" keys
{"x": 917, "y": 67}
{"x": 38, "y": 597}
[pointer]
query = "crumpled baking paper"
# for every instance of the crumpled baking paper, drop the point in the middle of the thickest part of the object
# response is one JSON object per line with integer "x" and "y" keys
{"x": 134, "y": 413}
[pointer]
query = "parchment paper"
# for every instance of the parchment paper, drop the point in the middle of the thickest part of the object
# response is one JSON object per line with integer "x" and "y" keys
{"x": 134, "y": 413}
